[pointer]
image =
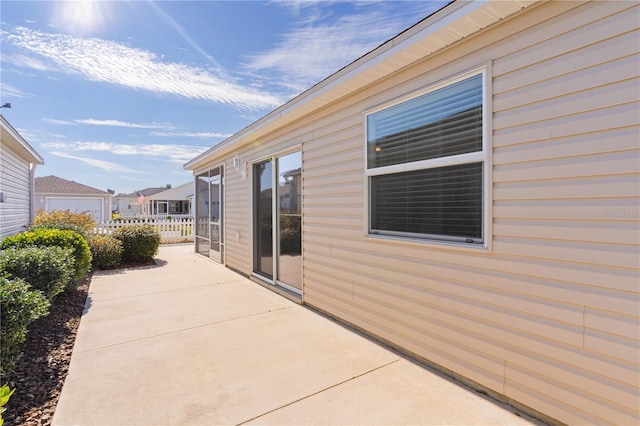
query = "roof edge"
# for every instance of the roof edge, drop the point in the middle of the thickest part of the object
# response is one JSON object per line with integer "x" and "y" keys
{"x": 448, "y": 15}
{"x": 20, "y": 141}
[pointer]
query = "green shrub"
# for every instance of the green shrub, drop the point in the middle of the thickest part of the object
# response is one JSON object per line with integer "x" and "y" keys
{"x": 20, "y": 305}
{"x": 106, "y": 251}
{"x": 64, "y": 227}
{"x": 59, "y": 218}
{"x": 139, "y": 242}
{"x": 5, "y": 394}
{"x": 48, "y": 269}
{"x": 54, "y": 237}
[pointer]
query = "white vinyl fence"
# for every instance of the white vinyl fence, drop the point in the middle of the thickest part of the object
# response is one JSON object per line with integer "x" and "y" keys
{"x": 159, "y": 216}
{"x": 171, "y": 231}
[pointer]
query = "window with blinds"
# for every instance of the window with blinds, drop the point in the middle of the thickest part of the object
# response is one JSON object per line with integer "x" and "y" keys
{"x": 425, "y": 165}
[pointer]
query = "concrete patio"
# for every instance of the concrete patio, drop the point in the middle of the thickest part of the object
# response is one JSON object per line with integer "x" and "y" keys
{"x": 190, "y": 342}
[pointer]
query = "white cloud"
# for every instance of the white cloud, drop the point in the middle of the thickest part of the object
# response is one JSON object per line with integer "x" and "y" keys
{"x": 114, "y": 63}
{"x": 118, "y": 123}
{"x": 61, "y": 122}
{"x": 29, "y": 62}
{"x": 192, "y": 134}
{"x": 8, "y": 91}
{"x": 321, "y": 44}
{"x": 101, "y": 164}
{"x": 175, "y": 153}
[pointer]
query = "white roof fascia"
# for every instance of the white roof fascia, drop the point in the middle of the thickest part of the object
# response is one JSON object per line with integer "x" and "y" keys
{"x": 456, "y": 20}
{"x": 18, "y": 142}
{"x": 177, "y": 193}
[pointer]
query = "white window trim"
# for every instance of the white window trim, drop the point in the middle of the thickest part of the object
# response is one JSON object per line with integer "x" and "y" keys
{"x": 483, "y": 156}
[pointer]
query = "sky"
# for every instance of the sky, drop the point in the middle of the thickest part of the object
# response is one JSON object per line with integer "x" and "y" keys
{"x": 120, "y": 94}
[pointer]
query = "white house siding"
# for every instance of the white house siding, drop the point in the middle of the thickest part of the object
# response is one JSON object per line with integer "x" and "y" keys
{"x": 548, "y": 315}
{"x": 15, "y": 212}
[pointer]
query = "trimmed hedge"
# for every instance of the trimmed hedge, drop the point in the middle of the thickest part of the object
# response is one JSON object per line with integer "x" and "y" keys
{"x": 42, "y": 237}
{"x": 139, "y": 242}
{"x": 106, "y": 251}
{"x": 64, "y": 227}
{"x": 20, "y": 305}
{"x": 48, "y": 269}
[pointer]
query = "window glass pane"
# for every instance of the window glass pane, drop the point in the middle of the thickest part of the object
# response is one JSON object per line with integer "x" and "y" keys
{"x": 202, "y": 205}
{"x": 290, "y": 219}
{"x": 442, "y": 201}
{"x": 215, "y": 194}
{"x": 263, "y": 214}
{"x": 441, "y": 123}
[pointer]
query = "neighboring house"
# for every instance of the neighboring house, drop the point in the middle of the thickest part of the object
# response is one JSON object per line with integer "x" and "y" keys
{"x": 54, "y": 193}
{"x": 135, "y": 203}
{"x": 18, "y": 161}
{"x": 174, "y": 201}
{"x": 470, "y": 196}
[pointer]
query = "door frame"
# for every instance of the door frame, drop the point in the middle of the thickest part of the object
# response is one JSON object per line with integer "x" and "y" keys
{"x": 220, "y": 258}
{"x": 274, "y": 281}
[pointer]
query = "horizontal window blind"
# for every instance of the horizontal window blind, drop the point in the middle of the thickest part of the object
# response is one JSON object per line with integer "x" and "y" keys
{"x": 445, "y": 122}
{"x": 439, "y": 202}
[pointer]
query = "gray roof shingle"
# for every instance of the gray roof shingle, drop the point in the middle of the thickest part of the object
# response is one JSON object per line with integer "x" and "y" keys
{"x": 56, "y": 185}
{"x": 147, "y": 192}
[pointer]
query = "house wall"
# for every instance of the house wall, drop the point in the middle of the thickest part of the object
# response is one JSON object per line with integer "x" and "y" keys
{"x": 15, "y": 182}
{"x": 128, "y": 206}
{"x": 548, "y": 314}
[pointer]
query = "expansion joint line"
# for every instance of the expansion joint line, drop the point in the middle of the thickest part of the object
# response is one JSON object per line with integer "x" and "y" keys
{"x": 318, "y": 392}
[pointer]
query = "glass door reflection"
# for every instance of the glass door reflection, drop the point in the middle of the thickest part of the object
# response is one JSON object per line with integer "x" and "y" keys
{"x": 289, "y": 262}
{"x": 263, "y": 219}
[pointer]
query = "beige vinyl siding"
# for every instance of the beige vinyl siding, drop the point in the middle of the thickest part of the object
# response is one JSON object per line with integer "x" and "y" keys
{"x": 15, "y": 183}
{"x": 549, "y": 316}
{"x": 238, "y": 197}
{"x": 237, "y": 219}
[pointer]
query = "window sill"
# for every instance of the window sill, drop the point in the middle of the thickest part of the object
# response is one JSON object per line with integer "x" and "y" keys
{"x": 431, "y": 244}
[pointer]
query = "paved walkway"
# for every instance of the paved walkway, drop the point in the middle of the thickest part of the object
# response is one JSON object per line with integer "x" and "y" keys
{"x": 190, "y": 342}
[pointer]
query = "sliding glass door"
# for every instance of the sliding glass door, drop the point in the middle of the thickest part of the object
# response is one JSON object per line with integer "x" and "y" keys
{"x": 278, "y": 221}
{"x": 289, "y": 208}
{"x": 209, "y": 214}
{"x": 263, "y": 219}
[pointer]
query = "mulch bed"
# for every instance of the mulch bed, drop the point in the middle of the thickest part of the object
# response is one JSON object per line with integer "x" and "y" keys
{"x": 44, "y": 361}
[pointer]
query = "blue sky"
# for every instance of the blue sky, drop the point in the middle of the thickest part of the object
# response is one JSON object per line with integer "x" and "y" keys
{"x": 120, "y": 94}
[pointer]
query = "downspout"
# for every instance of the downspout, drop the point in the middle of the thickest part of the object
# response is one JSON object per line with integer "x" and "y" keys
{"x": 32, "y": 190}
